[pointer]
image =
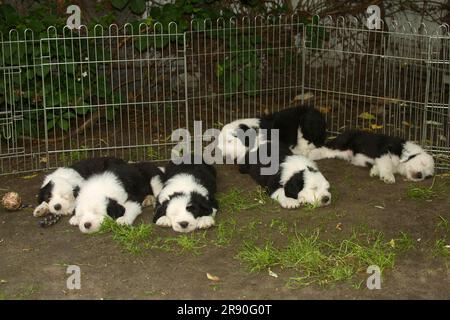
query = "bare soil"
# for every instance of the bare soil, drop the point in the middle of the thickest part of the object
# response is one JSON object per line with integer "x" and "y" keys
{"x": 33, "y": 260}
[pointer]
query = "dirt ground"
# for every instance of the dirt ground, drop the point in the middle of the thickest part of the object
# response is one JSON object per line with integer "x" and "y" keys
{"x": 33, "y": 260}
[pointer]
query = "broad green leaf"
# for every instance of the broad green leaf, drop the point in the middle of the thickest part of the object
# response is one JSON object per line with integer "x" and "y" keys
{"x": 119, "y": 4}
{"x": 142, "y": 43}
{"x": 63, "y": 124}
{"x": 51, "y": 124}
{"x": 137, "y": 6}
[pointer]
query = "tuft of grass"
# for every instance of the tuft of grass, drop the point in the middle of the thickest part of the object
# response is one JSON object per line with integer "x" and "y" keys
{"x": 441, "y": 249}
{"x": 405, "y": 242}
{"x": 260, "y": 196}
{"x": 280, "y": 225}
{"x": 236, "y": 200}
{"x": 420, "y": 193}
{"x": 258, "y": 258}
{"x": 426, "y": 193}
{"x": 443, "y": 224}
{"x": 225, "y": 232}
{"x": 131, "y": 238}
{"x": 304, "y": 251}
{"x": 309, "y": 207}
{"x": 322, "y": 262}
{"x": 192, "y": 242}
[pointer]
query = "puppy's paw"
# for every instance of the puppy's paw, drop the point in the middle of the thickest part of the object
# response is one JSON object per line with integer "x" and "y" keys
{"x": 123, "y": 221}
{"x": 374, "y": 171}
{"x": 205, "y": 222}
{"x": 74, "y": 221}
{"x": 388, "y": 178}
{"x": 289, "y": 203}
{"x": 164, "y": 221}
{"x": 41, "y": 210}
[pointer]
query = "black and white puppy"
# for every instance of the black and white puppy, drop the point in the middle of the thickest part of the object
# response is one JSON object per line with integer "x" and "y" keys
{"x": 118, "y": 192}
{"x": 301, "y": 128}
{"x": 187, "y": 199}
{"x": 298, "y": 180}
{"x": 386, "y": 155}
{"x": 60, "y": 188}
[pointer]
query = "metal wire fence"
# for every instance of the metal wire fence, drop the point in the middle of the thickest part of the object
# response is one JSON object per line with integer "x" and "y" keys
{"x": 70, "y": 94}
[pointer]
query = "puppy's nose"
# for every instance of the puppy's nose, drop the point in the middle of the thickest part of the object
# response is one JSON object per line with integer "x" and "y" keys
{"x": 183, "y": 224}
{"x": 87, "y": 225}
{"x": 419, "y": 175}
{"x": 57, "y": 206}
{"x": 325, "y": 199}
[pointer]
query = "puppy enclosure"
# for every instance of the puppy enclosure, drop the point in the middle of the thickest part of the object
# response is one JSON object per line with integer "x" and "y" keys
{"x": 122, "y": 91}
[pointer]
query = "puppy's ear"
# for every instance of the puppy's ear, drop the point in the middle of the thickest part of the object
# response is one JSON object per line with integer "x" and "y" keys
{"x": 160, "y": 210}
{"x": 76, "y": 191}
{"x": 294, "y": 185}
{"x": 114, "y": 209}
{"x": 200, "y": 205}
{"x": 45, "y": 193}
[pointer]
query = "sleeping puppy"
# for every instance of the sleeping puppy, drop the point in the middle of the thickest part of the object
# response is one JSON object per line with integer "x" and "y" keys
{"x": 118, "y": 192}
{"x": 301, "y": 128}
{"x": 60, "y": 188}
{"x": 298, "y": 181}
{"x": 385, "y": 155}
{"x": 186, "y": 201}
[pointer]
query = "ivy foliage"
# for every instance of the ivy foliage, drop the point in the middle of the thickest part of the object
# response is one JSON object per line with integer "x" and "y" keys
{"x": 53, "y": 79}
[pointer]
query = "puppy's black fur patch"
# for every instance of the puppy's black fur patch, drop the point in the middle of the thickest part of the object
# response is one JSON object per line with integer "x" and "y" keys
{"x": 294, "y": 185}
{"x": 45, "y": 193}
{"x": 114, "y": 209}
{"x": 136, "y": 185}
{"x": 310, "y": 120}
{"x": 76, "y": 191}
{"x": 160, "y": 210}
{"x": 201, "y": 206}
{"x": 88, "y": 167}
{"x": 373, "y": 145}
{"x": 148, "y": 171}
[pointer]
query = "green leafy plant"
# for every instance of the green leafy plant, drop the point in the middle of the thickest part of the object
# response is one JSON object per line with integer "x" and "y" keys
{"x": 57, "y": 81}
{"x": 315, "y": 34}
{"x": 239, "y": 70}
